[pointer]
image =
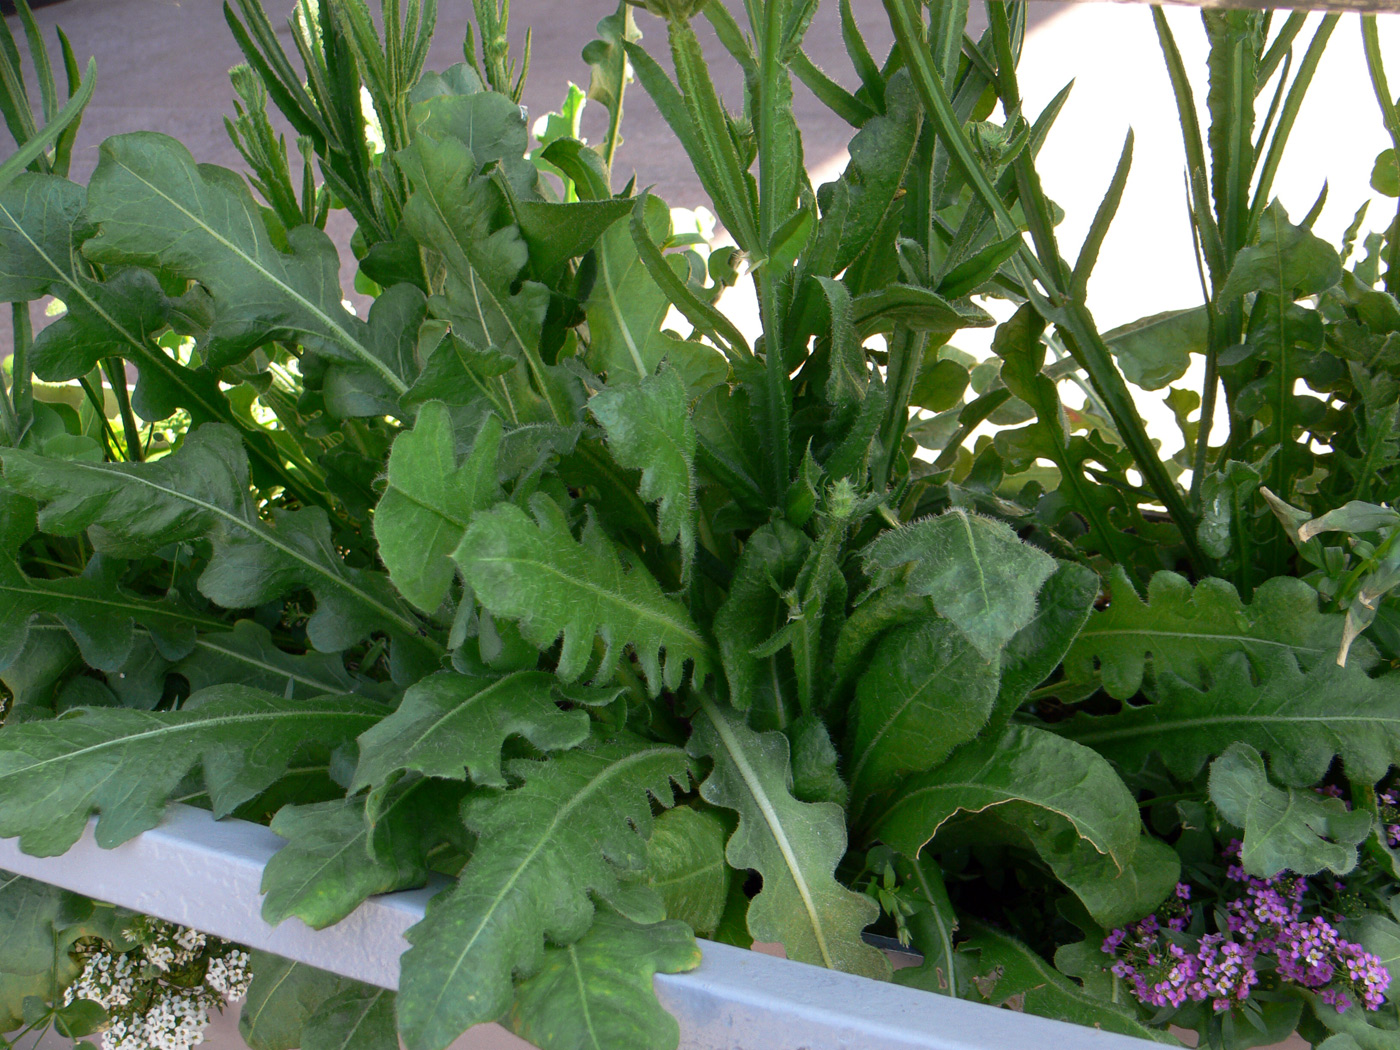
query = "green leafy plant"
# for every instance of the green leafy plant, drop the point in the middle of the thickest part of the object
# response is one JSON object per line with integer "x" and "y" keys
{"x": 511, "y": 582}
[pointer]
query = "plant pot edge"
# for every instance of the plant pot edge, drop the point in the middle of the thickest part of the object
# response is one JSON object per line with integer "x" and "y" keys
{"x": 206, "y": 873}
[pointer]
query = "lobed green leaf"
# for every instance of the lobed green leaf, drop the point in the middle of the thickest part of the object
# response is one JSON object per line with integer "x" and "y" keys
{"x": 979, "y": 575}
{"x": 596, "y": 994}
{"x": 573, "y": 829}
{"x": 535, "y": 572}
{"x": 124, "y": 765}
{"x": 793, "y": 845}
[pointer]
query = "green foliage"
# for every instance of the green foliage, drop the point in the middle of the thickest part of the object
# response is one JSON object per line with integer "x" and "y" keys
{"x": 978, "y": 574}
{"x": 335, "y": 858}
{"x": 793, "y": 845}
{"x": 1187, "y": 631}
{"x": 359, "y": 1018}
{"x": 1007, "y": 973}
{"x": 927, "y": 692}
{"x": 508, "y": 583}
{"x": 687, "y": 866}
{"x": 1302, "y": 720}
{"x": 202, "y": 493}
{"x": 450, "y": 725}
{"x": 1026, "y": 769}
{"x": 575, "y": 827}
{"x": 428, "y": 501}
{"x": 156, "y": 208}
{"x": 598, "y": 989}
{"x": 1292, "y": 830}
{"x": 125, "y": 764}
{"x": 535, "y": 572}
{"x": 648, "y": 428}
{"x": 282, "y": 1000}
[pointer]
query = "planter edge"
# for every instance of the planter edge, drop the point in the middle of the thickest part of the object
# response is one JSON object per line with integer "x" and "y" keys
{"x": 206, "y": 873}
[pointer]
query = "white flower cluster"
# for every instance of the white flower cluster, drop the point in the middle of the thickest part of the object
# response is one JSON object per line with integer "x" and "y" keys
{"x": 175, "y": 1020}
{"x": 159, "y": 993}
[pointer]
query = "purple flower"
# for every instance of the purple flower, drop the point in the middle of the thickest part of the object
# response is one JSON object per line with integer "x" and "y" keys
{"x": 1264, "y": 922}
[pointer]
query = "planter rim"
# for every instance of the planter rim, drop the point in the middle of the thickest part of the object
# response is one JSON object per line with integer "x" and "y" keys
{"x": 206, "y": 874}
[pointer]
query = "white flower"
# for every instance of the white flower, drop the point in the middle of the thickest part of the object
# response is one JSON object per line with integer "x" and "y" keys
{"x": 176, "y": 1017}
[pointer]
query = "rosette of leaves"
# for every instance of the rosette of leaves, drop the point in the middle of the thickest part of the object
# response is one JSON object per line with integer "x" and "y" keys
{"x": 509, "y": 582}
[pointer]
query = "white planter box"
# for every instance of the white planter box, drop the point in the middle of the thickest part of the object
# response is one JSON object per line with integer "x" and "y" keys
{"x": 204, "y": 873}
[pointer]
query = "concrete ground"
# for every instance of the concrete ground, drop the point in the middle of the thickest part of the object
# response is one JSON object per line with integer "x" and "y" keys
{"x": 162, "y": 65}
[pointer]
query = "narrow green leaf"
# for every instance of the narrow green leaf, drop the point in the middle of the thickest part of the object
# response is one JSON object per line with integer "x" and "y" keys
{"x": 68, "y": 117}
{"x": 706, "y": 319}
{"x": 596, "y": 994}
{"x": 793, "y": 845}
{"x": 1293, "y": 102}
{"x": 607, "y": 81}
{"x": 932, "y": 926}
{"x": 881, "y": 153}
{"x": 1103, "y": 219}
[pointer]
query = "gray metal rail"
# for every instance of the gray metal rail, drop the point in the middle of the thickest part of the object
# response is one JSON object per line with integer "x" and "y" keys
{"x": 204, "y": 873}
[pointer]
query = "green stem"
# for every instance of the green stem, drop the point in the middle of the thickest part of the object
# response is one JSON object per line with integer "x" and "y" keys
{"x": 770, "y": 215}
{"x": 906, "y": 355}
{"x": 100, "y": 407}
{"x": 22, "y": 386}
{"x": 115, "y": 370}
{"x": 1072, "y": 317}
{"x": 1371, "y": 43}
{"x": 1212, "y": 379}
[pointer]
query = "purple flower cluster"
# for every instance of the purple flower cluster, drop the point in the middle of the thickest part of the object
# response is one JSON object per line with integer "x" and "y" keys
{"x": 1265, "y": 924}
{"x": 1390, "y": 811}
